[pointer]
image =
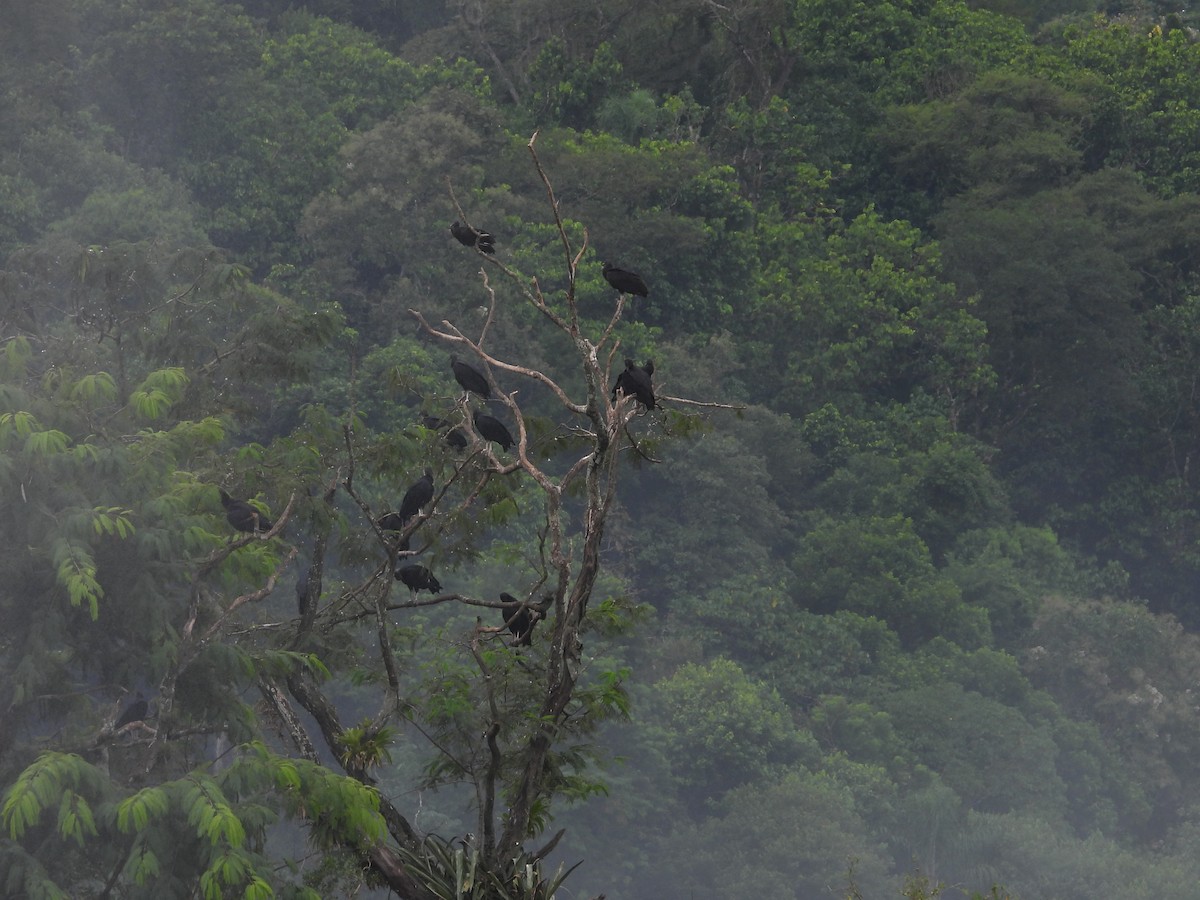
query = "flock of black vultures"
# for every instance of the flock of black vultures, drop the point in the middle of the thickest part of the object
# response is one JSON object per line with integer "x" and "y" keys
{"x": 520, "y": 617}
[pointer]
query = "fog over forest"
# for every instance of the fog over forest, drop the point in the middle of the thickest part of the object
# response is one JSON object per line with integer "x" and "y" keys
{"x": 644, "y": 451}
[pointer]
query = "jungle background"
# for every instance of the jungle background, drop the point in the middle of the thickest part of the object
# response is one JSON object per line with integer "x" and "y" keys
{"x": 918, "y": 608}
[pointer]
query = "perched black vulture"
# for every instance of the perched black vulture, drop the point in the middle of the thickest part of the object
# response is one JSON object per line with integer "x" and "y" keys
{"x": 392, "y": 522}
{"x": 134, "y": 712}
{"x": 637, "y": 382}
{"x": 455, "y": 437}
{"x": 493, "y": 429}
{"x": 471, "y": 237}
{"x": 520, "y": 618}
{"x": 419, "y": 494}
{"x": 470, "y": 378}
{"x": 623, "y": 281}
{"x": 418, "y": 578}
{"x": 243, "y": 516}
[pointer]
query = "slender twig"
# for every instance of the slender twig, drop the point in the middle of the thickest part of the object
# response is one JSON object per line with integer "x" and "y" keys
{"x": 453, "y": 335}
{"x": 684, "y": 401}
{"x": 251, "y": 597}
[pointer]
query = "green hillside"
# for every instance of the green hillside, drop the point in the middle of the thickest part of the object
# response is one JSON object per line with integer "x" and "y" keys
{"x": 890, "y": 589}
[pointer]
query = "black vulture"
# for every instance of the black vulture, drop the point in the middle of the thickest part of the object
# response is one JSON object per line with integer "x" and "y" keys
{"x": 493, "y": 429}
{"x": 455, "y": 437}
{"x": 470, "y": 378}
{"x": 392, "y": 522}
{"x": 637, "y": 382}
{"x": 473, "y": 237}
{"x": 520, "y": 618}
{"x": 623, "y": 281}
{"x": 134, "y": 712}
{"x": 418, "y": 578}
{"x": 243, "y": 516}
{"x": 419, "y": 494}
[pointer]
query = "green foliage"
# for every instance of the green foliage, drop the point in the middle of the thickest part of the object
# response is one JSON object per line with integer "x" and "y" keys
{"x": 135, "y": 812}
{"x": 873, "y": 320}
{"x": 859, "y": 730}
{"x": 224, "y": 815}
{"x": 1127, "y": 670}
{"x": 458, "y": 873}
{"x": 194, "y": 52}
{"x": 334, "y": 68}
{"x": 1008, "y": 571}
{"x": 721, "y": 729}
{"x": 1148, "y": 78}
{"x": 988, "y": 753}
{"x": 788, "y": 837}
{"x": 1005, "y": 134}
{"x": 53, "y": 780}
{"x": 904, "y": 48}
{"x": 77, "y": 573}
{"x": 959, "y": 254}
{"x": 158, "y": 392}
{"x": 878, "y": 566}
{"x": 567, "y": 92}
{"x": 365, "y": 746}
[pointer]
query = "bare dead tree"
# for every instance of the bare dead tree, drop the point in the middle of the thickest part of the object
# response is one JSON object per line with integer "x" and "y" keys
{"x": 576, "y": 505}
{"x": 573, "y": 557}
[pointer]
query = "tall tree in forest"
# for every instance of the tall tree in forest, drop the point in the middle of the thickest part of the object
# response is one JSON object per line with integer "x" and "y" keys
{"x": 185, "y": 796}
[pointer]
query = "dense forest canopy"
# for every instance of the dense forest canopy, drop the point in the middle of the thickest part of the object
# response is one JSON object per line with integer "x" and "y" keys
{"x": 891, "y": 590}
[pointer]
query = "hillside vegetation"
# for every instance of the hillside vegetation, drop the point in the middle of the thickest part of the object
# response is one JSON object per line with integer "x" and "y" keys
{"x": 893, "y": 592}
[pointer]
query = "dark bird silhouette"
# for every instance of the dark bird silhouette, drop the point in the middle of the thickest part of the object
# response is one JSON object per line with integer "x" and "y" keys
{"x": 473, "y": 237}
{"x": 134, "y": 712}
{"x": 520, "y": 618}
{"x": 637, "y": 382}
{"x": 243, "y": 516}
{"x": 455, "y": 437}
{"x": 392, "y": 522}
{"x": 418, "y": 495}
{"x": 623, "y": 281}
{"x": 493, "y": 429}
{"x": 470, "y": 378}
{"x": 418, "y": 578}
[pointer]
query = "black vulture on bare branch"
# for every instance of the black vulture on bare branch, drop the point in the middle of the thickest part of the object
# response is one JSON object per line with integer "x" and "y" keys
{"x": 636, "y": 381}
{"x": 243, "y": 516}
{"x": 473, "y": 237}
{"x": 418, "y": 578}
{"x": 134, "y": 712}
{"x": 419, "y": 494}
{"x": 520, "y": 617}
{"x": 470, "y": 378}
{"x": 624, "y": 281}
{"x": 455, "y": 437}
{"x": 493, "y": 429}
{"x": 392, "y": 522}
